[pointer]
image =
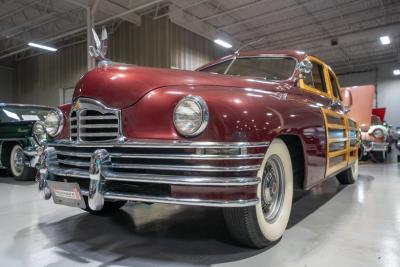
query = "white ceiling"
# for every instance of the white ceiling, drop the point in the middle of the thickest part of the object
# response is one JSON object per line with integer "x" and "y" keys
{"x": 308, "y": 25}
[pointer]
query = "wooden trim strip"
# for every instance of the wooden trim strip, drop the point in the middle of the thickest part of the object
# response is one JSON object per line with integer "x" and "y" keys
{"x": 336, "y": 126}
{"x": 337, "y": 140}
{"x": 337, "y": 153}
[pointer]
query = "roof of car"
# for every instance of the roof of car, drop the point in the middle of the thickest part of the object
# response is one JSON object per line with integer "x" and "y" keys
{"x": 23, "y": 105}
{"x": 298, "y": 55}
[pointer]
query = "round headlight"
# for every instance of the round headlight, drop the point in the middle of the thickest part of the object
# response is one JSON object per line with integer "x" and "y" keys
{"x": 54, "y": 122}
{"x": 39, "y": 132}
{"x": 378, "y": 133}
{"x": 191, "y": 116}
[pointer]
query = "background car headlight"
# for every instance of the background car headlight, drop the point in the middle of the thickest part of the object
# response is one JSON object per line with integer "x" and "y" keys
{"x": 39, "y": 132}
{"x": 54, "y": 122}
{"x": 191, "y": 116}
{"x": 378, "y": 133}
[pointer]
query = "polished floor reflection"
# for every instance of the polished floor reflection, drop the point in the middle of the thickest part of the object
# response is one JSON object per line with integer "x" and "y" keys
{"x": 332, "y": 225}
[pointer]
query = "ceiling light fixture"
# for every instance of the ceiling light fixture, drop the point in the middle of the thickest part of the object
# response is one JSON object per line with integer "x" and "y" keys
{"x": 396, "y": 72}
{"x": 385, "y": 40}
{"x": 43, "y": 47}
{"x": 222, "y": 43}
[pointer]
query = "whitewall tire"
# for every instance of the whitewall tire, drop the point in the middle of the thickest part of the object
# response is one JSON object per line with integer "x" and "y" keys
{"x": 350, "y": 175}
{"x": 266, "y": 222}
{"x": 17, "y": 165}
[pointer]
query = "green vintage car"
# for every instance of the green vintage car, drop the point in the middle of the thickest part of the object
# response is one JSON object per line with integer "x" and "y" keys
{"x": 22, "y": 136}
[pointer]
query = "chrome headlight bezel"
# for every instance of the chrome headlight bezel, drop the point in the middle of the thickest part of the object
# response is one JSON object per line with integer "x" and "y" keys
{"x": 202, "y": 109}
{"x": 39, "y": 133}
{"x": 60, "y": 122}
{"x": 378, "y": 133}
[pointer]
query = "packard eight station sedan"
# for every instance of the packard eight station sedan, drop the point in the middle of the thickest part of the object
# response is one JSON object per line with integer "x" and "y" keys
{"x": 241, "y": 133}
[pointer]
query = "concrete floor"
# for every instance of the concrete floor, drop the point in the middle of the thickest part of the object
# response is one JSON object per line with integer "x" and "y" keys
{"x": 332, "y": 225}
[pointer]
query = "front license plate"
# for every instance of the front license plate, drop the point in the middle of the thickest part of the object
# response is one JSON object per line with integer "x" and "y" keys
{"x": 68, "y": 194}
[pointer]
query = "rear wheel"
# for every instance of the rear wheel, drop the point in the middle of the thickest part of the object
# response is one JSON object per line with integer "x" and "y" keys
{"x": 259, "y": 225}
{"x": 18, "y": 168}
{"x": 109, "y": 206}
{"x": 350, "y": 175}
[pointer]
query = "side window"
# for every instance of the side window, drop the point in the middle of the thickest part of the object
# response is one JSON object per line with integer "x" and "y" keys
{"x": 316, "y": 79}
{"x": 335, "y": 87}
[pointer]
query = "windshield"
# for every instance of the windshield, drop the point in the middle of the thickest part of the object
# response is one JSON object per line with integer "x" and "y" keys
{"x": 375, "y": 120}
{"x": 22, "y": 113}
{"x": 268, "y": 68}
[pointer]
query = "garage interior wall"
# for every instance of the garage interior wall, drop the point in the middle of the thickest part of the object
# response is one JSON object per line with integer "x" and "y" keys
{"x": 6, "y": 83}
{"x": 156, "y": 43}
{"x": 387, "y": 88}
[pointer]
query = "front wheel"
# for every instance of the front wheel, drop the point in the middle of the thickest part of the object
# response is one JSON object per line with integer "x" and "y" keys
{"x": 19, "y": 170}
{"x": 350, "y": 175}
{"x": 259, "y": 225}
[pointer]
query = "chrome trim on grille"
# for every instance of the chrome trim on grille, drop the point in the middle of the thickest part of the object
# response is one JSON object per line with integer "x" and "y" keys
{"x": 81, "y": 123}
{"x": 97, "y": 134}
{"x": 95, "y": 126}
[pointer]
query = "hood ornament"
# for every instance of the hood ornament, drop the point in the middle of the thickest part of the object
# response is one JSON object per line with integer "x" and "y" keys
{"x": 99, "y": 51}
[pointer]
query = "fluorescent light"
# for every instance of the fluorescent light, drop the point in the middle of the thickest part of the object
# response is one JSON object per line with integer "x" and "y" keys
{"x": 222, "y": 43}
{"x": 43, "y": 47}
{"x": 396, "y": 72}
{"x": 385, "y": 40}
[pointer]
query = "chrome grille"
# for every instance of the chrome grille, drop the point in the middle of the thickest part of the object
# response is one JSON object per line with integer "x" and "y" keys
{"x": 92, "y": 121}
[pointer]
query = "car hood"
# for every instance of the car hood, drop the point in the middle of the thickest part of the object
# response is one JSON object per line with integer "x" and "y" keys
{"x": 120, "y": 86}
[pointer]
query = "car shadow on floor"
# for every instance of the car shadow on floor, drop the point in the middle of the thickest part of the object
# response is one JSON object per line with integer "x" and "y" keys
{"x": 6, "y": 179}
{"x": 164, "y": 233}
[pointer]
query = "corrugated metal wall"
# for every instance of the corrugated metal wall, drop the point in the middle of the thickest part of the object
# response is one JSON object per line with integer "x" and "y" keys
{"x": 158, "y": 43}
{"x": 144, "y": 45}
{"x": 38, "y": 79}
{"x": 189, "y": 50}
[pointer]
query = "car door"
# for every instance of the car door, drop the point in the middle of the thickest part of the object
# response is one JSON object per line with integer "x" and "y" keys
{"x": 342, "y": 145}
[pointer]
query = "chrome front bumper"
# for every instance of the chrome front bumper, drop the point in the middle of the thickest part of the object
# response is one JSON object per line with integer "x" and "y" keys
{"x": 229, "y": 179}
{"x": 373, "y": 146}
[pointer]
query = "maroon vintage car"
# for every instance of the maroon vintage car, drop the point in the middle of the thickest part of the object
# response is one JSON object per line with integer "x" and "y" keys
{"x": 240, "y": 133}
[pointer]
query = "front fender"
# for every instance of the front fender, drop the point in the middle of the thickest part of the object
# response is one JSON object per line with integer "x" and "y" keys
{"x": 236, "y": 114}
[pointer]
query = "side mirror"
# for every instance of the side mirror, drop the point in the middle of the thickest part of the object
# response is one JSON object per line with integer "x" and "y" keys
{"x": 347, "y": 97}
{"x": 304, "y": 67}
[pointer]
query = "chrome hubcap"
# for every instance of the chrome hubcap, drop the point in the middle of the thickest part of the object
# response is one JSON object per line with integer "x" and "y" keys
{"x": 19, "y": 159}
{"x": 273, "y": 188}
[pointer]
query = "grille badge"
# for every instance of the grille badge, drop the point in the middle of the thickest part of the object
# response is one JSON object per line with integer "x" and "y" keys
{"x": 77, "y": 105}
